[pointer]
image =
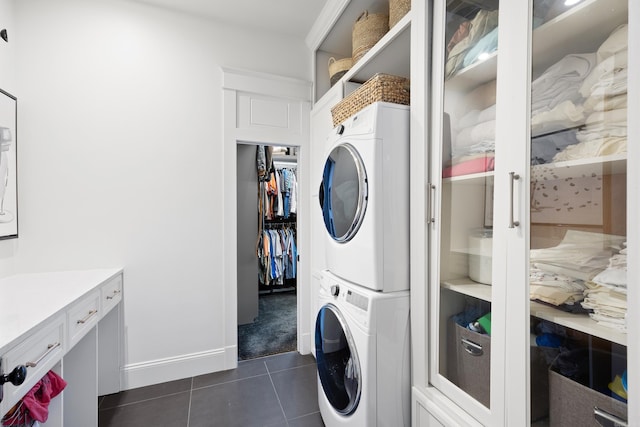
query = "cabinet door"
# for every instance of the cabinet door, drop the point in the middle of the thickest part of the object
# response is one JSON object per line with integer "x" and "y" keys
{"x": 578, "y": 212}
{"x": 464, "y": 125}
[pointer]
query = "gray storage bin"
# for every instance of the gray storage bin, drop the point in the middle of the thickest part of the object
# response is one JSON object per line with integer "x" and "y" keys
{"x": 469, "y": 367}
{"x": 469, "y": 361}
{"x": 581, "y": 403}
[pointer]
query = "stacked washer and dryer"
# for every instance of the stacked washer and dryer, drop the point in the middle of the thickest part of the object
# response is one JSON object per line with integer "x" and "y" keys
{"x": 362, "y": 325}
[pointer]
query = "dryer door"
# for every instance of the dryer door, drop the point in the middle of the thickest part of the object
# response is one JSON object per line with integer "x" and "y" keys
{"x": 343, "y": 192}
{"x": 337, "y": 360}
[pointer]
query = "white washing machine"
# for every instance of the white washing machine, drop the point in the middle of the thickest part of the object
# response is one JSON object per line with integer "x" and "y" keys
{"x": 364, "y": 196}
{"x": 362, "y": 354}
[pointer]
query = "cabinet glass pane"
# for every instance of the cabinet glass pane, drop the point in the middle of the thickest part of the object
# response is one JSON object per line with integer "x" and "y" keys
{"x": 468, "y": 149}
{"x": 577, "y": 269}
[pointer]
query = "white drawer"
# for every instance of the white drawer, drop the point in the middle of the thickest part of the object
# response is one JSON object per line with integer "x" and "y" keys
{"x": 82, "y": 316}
{"x": 111, "y": 294}
{"x": 39, "y": 352}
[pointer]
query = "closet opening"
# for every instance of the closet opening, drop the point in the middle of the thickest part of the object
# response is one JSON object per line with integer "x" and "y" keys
{"x": 267, "y": 206}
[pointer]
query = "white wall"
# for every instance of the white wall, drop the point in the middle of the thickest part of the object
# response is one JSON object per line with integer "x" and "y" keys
{"x": 8, "y": 84}
{"x": 120, "y": 121}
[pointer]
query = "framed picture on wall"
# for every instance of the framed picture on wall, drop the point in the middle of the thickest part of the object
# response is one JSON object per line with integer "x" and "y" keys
{"x": 8, "y": 164}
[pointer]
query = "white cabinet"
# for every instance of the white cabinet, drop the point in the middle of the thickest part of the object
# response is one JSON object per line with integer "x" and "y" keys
{"x": 527, "y": 216}
{"x": 68, "y": 322}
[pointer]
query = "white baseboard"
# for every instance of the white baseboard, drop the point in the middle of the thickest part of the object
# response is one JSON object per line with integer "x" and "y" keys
{"x": 305, "y": 343}
{"x": 173, "y": 368}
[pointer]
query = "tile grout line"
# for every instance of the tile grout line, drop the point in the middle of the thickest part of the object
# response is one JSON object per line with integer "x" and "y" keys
{"x": 229, "y": 382}
{"x": 145, "y": 400}
{"x": 277, "y": 396}
{"x": 189, "y": 407}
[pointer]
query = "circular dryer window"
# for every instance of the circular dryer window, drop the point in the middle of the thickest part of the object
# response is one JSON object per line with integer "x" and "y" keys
{"x": 343, "y": 192}
{"x": 337, "y": 360}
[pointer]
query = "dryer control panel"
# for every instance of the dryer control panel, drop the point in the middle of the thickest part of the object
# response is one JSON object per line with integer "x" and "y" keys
{"x": 358, "y": 300}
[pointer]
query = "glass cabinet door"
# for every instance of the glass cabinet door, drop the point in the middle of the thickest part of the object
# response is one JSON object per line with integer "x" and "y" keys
{"x": 577, "y": 258}
{"x": 464, "y": 113}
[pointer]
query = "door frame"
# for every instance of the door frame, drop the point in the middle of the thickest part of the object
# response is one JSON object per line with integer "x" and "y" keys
{"x": 293, "y": 98}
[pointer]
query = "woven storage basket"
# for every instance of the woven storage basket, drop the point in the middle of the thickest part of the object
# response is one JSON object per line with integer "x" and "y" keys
{"x": 397, "y": 9}
{"x": 381, "y": 87}
{"x": 367, "y": 30}
{"x": 337, "y": 68}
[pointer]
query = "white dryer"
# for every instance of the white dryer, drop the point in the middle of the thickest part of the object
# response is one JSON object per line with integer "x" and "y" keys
{"x": 364, "y": 196}
{"x": 362, "y": 355}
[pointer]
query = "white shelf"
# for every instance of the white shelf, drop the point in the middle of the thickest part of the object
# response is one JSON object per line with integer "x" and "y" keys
{"x": 579, "y": 322}
{"x": 468, "y": 287}
{"x": 391, "y": 55}
{"x": 474, "y": 75}
{"x": 472, "y": 178}
{"x": 581, "y": 29}
{"x": 597, "y": 166}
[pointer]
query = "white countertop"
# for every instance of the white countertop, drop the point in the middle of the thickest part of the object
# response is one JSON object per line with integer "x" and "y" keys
{"x": 29, "y": 300}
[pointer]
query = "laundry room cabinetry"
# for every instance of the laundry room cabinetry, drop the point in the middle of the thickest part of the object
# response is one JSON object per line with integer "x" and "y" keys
{"x": 527, "y": 210}
{"x": 331, "y": 37}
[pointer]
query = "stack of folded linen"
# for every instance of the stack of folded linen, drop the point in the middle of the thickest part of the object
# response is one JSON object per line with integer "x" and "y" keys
{"x": 607, "y": 293}
{"x": 473, "y": 145}
{"x": 605, "y": 90}
{"x": 556, "y": 105}
{"x": 559, "y": 274}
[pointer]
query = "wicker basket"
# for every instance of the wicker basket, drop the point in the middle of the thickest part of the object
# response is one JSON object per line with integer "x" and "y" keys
{"x": 337, "y": 68}
{"x": 397, "y": 9}
{"x": 367, "y": 30}
{"x": 381, "y": 87}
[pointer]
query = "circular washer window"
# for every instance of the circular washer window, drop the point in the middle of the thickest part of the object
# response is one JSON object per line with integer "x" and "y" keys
{"x": 343, "y": 192}
{"x": 337, "y": 360}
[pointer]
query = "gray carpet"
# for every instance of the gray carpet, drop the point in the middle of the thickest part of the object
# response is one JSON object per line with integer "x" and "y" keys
{"x": 274, "y": 331}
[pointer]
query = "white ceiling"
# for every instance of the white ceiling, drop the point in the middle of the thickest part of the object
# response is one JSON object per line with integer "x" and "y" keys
{"x": 288, "y": 17}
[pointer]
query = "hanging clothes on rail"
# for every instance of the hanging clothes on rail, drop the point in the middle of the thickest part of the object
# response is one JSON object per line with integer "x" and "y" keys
{"x": 277, "y": 254}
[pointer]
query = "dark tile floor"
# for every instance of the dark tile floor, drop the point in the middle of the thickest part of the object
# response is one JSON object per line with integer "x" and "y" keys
{"x": 274, "y": 391}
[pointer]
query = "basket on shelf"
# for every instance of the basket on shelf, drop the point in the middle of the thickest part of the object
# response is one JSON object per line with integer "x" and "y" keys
{"x": 367, "y": 30}
{"x": 397, "y": 9}
{"x": 338, "y": 67}
{"x": 380, "y": 87}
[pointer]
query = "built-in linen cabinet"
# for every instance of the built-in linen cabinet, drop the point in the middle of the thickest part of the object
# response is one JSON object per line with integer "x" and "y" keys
{"x": 528, "y": 217}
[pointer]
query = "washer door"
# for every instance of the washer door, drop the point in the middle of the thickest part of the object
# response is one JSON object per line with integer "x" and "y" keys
{"x": 337, "y": 360}
{"x": 343, "y": 192}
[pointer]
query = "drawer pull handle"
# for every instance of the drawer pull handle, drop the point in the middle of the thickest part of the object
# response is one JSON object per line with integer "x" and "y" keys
{"x": 87, "y": 317}
{"x": 606, "y": 419}
{"x": 50, "y": 348}
{"x": 115, "y": 292}
{"x": 471, "y": 347}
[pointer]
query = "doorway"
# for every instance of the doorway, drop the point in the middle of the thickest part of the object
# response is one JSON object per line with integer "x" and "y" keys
{"x": 267, "y": 207}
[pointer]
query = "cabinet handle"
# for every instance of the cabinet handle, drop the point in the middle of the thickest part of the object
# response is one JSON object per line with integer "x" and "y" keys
{"x": 512, "y": 177}
{"x": 50, "y": 348}
{"x": 87, "y": 317}
{"x": 471, "y": 347}
{"x": 431, "y": 197}
{"x": 115, "y": 292}
{"x": 606, "y": 419}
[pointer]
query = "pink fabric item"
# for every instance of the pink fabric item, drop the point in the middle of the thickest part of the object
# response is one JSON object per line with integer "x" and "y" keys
{"x": 35, "y": 404}
{"x": 482, "y": 164}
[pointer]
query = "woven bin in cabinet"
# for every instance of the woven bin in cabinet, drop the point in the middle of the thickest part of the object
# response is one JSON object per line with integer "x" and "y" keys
{"x": 380, "y": 87}
{"x": 367, "y": 30}
{"x": 338, "y": 68}
{"x": 397, "y": 9}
